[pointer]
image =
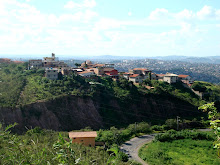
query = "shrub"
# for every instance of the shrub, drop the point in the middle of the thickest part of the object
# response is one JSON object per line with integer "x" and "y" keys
{"x": 184, "y": 134}
{"x": 171, "y": 123}
{"x": 157, "y": 128}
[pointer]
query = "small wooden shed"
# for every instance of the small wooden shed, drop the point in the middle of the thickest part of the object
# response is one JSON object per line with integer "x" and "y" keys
{"x": 85, "y": 138}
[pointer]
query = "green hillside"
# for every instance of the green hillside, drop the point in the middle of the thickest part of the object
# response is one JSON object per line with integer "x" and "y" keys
{"x": 21, "y": 86}
{"x": 118, "y": 103}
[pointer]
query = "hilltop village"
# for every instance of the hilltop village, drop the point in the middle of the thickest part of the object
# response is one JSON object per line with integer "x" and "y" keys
{"x": 53, "y": 68}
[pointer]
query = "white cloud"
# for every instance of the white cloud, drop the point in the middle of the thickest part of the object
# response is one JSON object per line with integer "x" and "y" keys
{"x": 83, "y": 4}
{"x": 158, "y": 14}
{"x": 217, "y": 12}
{"x": 24, "y": 28}
{"x": 184, "y": 15}
{"x": 107, "y": 23}
{"x": 206, "y": 12}
{"x": 129, "y": 13}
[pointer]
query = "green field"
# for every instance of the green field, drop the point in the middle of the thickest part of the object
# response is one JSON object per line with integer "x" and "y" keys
{"x": 180, "y": 152}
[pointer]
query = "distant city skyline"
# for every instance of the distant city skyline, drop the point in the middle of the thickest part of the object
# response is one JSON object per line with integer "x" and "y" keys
{"x": 139, "y": 28}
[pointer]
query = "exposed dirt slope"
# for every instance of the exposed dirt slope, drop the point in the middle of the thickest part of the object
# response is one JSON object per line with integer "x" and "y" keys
{"x": 71, "y": 112}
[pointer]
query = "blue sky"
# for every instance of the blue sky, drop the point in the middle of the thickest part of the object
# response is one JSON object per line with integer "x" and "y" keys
{"x": 110, "y": 27}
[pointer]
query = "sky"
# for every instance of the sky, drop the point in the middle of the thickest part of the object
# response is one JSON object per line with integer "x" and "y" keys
{"x": 110, "y": 27}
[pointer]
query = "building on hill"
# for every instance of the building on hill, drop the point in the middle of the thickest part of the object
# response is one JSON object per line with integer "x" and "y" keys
{"x": 53, "y": 62}
{"x": 88, "y": 62}
{"x": 18, "y": 62}
{"x": 159, "y": 77}
{"x": 51, "y": 73}
{"x": 99, "y": 69}
{"x": 85, "y": 138}
{"x": 137, "y": 75}
{"x": 5, "y": 60}
{"x": 113, "y": 73}
{"x": 87, "y": 73}
{"x": 170, "y": 78}
{"x": 153, "y": 76}
{"x": 67, "y": 71}
{"x": 185, "y": 79}
{"x": 143, "y": 71}
{"x": 47, "y": 62}
{"x": 135, "y": 78}
{"x": 35, "y": 64}
{"x": 126, "y": 75}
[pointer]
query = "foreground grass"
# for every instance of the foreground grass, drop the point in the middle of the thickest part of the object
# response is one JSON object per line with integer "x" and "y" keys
{"x": 45, "y": 147}
{"x": 180, "y": 152}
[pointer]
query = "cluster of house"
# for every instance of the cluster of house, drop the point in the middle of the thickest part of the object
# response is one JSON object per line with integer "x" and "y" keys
{"x": 173, "y": 78}
{"x": 51, "y": 65}
{"x": 138, "y": 75}
{"x": 87, "y": 69}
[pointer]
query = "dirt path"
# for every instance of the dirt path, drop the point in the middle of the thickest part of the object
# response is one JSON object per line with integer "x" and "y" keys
{"x": 132, "y": 146}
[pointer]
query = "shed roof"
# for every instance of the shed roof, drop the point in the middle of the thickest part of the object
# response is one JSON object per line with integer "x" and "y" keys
{"x": 83, "y": 134}
{"x": 134, "y": 75}
{"x": 86, "y": 71}
{"x": 183, "y": 76}
{"x": 143, "y": 69}
{"x": 170, "y": 75}
{"x": 160, "y": 75}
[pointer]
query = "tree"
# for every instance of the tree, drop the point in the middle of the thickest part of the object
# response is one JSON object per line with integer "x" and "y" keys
{"x": 77, "y": 64}
{"x": 199, "y": 87}
{"x": 149, "y": 75}
{"x": 60, "y": 76}
{"x": 7, "y": 71}
{"x": 215, "y": 122}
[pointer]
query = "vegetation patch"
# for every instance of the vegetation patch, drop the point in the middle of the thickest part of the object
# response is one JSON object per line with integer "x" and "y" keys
{"x": 180, "y": 152}
{"x": 41, "y": 147}
{"x": 181, "y": 148}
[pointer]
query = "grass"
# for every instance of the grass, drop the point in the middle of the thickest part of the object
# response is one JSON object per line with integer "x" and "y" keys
{"x": 180, "y": 152}
{"x": 45, "y": 147}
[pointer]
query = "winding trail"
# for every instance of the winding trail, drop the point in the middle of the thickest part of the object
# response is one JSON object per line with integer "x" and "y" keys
{"x": 132, "y": 147}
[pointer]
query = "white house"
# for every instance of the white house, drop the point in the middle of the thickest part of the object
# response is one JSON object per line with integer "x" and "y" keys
{"x": 51, "y": 73}
{"x": 170, "y": 78}
{"x": 86, "y": 73}
{"x": 135, "y": 78}
{"x": 140, "y": 71}
{"x": 35, "y": 64}
{"x": 126, "y": 75}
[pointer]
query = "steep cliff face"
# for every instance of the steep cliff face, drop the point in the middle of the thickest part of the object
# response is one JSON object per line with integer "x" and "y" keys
{"x": 71, "y": 112}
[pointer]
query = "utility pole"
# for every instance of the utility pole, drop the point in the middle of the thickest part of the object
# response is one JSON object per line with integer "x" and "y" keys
{"x": 135, "y": 127}
{"x": 177, "y": 122}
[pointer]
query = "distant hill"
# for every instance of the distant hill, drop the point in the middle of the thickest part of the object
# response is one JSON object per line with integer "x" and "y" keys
{"x": 211, "y": 59}
{"x": 109, "y": 58}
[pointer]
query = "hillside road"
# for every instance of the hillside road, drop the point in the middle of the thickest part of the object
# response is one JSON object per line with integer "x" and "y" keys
{"x": 132, "y": 146}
